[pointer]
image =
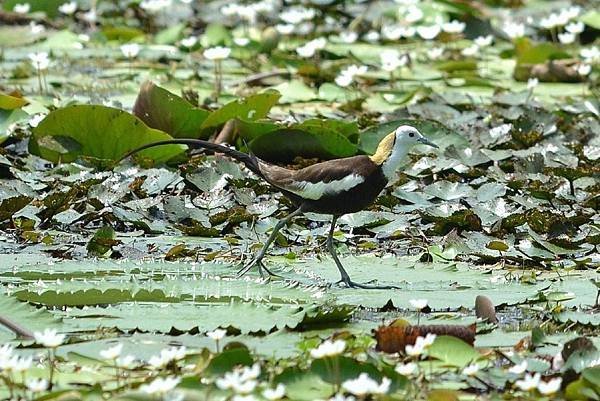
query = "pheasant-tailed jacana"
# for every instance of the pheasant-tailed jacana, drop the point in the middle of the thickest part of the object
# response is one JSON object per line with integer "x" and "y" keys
{"x": 333, "y": 187}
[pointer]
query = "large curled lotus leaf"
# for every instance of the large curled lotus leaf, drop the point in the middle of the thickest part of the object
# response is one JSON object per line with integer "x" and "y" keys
{"x": 165, "y": 111}
{"x": 285, "y": 144}
{"x": 252, "y": 108}
{"x": 96, "y": 131}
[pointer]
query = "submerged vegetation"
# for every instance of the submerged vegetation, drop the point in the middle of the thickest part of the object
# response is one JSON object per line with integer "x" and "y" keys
{"x": 118, "y": 277}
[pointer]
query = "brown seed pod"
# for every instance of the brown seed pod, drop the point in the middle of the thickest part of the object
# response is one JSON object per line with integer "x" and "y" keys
{"x": 392, "y": 339}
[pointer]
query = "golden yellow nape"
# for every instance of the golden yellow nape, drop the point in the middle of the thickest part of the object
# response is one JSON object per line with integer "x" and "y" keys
{"x": 384, "y": 148}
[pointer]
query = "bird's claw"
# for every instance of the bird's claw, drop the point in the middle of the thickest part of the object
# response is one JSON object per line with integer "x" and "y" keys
{"x": 351, "y": 284}
{"x": 261, "y": 269}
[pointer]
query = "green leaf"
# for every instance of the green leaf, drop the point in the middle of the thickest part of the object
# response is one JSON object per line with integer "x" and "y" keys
{"x": 453, "y": 351}
{"x": 285, "y": 144}
{"x": 27, "y": 316}
{"x": 165, "y": 111}
{"x": 591, "y": 18}
{"x": 251, "y": 108}
{"x": 170, "y": 35}
{"x": 103, "y": 133}
{"x": 9, "y": 102}
{"x": 537, "y": 53}
{"x": 228, "y": 359}
{"x": 122, "y": 33}
{"x": 295, "y": 91}
{"x": 216, "y": 35}
{"x": 304, "y": 386}
{"x": 50, "y": 7}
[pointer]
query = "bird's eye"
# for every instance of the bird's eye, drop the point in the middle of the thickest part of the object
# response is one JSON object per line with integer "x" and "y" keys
{"x": 411, "y": 134}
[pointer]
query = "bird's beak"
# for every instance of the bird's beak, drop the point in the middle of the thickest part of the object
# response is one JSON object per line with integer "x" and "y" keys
{"x": 426, "y": 141}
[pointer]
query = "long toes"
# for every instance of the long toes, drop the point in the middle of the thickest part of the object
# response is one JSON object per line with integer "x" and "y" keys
{"x": 245, "y": 269}
{"x": 352, "y": 284}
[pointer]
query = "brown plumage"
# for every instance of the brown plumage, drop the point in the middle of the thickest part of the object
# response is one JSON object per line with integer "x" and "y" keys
{"x": 333, "y": 187}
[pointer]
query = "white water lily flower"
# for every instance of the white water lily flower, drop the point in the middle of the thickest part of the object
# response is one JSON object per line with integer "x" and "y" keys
{"x": 40, "y": 60}
{"x": 514, "y": 30}
{"x": 575, "y": 27}
{"x": 391, "y": 60}
{"x": 532, "y": 83}
{"x": 167, "y": 355}
{"x": 584, "y": 69}
{"x": 91, "y": 16}
{"x": 328, "y": 348}
{"x": 435, "y": 53}
{"x": 429, "y": 339}
{"x": 406, "y": 369}
{"x": 551, "y": 21}
{"x": 217, "y": 334}
{"x": 276, "y": 393}
{"x": 412, "y": 14}
{"x": 364, "y": 385}
{"x": 68, "y": 8}
{"x": 241, "y": 41}
{"x": 590, "y": 54}
{"x": 429, "y": 32}
{"x": 22, "y": 8}
{"x": 344, "y": 80}
{"x": 154, "y": 6}
{"x": 484, "y": 41}
{"x": 130, "y": 50}
{"x": 470, "y": 370}
{"x": 372, "y": 36}
{"x": 189, "y": 42}
{"x": 36, "y": 385}
{"x": 470, "y": 51}
{"x": 416, "y": 349}
{"x": 530, "y": 382}
{"x": 284, "y": 29}
{"x": 160, "y": 385}
{"x": 392, "y": 32}
{"x": 453, "y": 26}
{"x": 112, "y": 353}
{"x": 418, "y": 303}
{"x": 518, "y": 369}
{"x": 549, "y": 387}
{"x": 242, "y": 381}
{"x": 348, "y": 36}
{"x": 217, "y": 53}
{"x": 125, "y": 362}
{"x": 310, "y": 48}
{"x": 49, "y": 338}
{"x": 295, "y": 15}
{"x": 566, "y": 38}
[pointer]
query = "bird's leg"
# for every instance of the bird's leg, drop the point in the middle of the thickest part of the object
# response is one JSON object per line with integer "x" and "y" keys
{"x": 345, "y": 277}
{"x": 257, "y": 260}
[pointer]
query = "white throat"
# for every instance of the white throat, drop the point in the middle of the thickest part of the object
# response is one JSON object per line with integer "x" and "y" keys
{"x": 390, "y": 166}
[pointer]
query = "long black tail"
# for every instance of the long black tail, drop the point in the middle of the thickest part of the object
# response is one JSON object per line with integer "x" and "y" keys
{"x": 249, "y": 160}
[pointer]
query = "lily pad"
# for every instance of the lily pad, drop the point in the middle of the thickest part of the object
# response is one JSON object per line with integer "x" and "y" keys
{"x": 101, "y": 132}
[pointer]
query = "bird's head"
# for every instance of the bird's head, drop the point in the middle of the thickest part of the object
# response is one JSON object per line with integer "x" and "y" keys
{"x": 396, "y": 144}
{"x": 406, "y": 136}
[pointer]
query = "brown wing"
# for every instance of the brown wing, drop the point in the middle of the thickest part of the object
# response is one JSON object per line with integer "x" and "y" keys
{"x": 327, "y": 177}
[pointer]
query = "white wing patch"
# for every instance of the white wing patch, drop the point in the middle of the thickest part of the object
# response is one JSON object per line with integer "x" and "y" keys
{"x": 314, "y": 191}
